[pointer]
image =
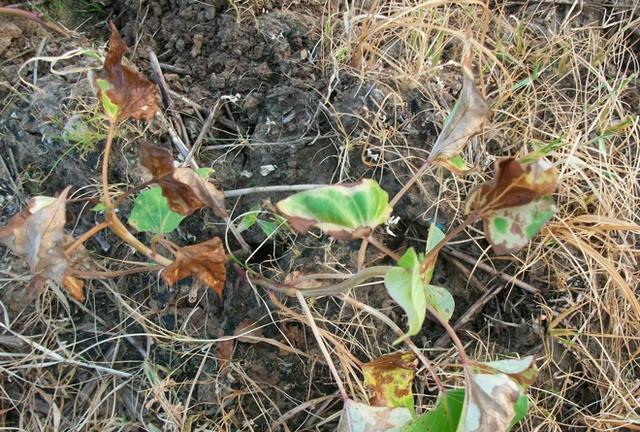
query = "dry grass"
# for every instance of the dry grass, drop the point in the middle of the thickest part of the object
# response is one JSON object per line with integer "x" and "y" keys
{"x": 564, "y": 83}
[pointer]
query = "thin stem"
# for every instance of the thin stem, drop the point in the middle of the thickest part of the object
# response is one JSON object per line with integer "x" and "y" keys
{"x": 323, "y": 348}
{"x": 427, "y": 163}
{"x": 84, "y": 237}
{"x": 270, "y": 189}
{"x": 452, "y": 334}
{"x": 385, "y": 319}
{"x": 108, "y": 274}
{"x": 115, "y": 224}
{"x": 34, "y": 17}
{"x": 118, "y": 202}
{"x": 376, "y": 244}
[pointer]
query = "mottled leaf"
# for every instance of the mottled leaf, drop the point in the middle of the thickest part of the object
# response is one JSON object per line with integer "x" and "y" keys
{"x": 151, "y": 213}
{"x": 390, "y": 377}
{"x": 445, "y": 416}
{"x": 204, "y": 261}
{"x": 468, "y": 115}
{"x": 185, "y": 189}
{"x": 517, "y": 204}
{"x": 36, "y": 235}
{"x": 492, "y": 392}
{"x": 123, "y": 92}
{"x": 345, "y": 211}
{"x": 359, "y": 417}
{"x": 441, "y": 300}
{"x": 406, "y": 288}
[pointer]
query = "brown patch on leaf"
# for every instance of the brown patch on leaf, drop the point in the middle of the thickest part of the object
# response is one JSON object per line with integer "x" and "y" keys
{"x": 185, "y": 190}
{"x": 134, "y": 95}
{"x": 390, "y": 378}
{"x": 204, "y": 261}
{"x": 515, "y": 185}
{"x": 36, "y": 234}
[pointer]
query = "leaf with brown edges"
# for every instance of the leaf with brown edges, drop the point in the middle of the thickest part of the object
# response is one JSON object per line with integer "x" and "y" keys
{"x": 203, "y": 261}
{"x": 184, "y": 188}
{"x": 124, "y": 92}
{"x": 36, "y": 235}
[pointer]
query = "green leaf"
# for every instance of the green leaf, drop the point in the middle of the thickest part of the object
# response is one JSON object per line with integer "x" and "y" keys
{"x": 510, "y": 229}
{"x": 429, "y": 262}
{"x": 267, "y": 227}
{"x": 456, "y": 165}
{"x": 110, "y": 108}
{"x": 441, "y": 300}
{"x": 98, "y": 207}
{"x": 406, "y": 288}
{"x": 360, "y": 417}
{"x": 151, "y": 213}
{"x": 343, "y": 211}
{"x": 445, "y": 416}
{"x": 390, "y": 377}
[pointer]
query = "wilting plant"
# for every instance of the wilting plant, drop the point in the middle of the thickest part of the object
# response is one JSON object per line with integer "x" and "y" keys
{"x": 513, "y": 208}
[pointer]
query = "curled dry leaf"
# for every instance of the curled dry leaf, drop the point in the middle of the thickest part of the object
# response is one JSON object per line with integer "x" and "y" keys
{"x": 204, "y": 261}
{"x": 37, "y": 235}
{"x": 185, "y": 189}
{"x": 390, "y": 377}
{"x": 123, "y": 92}
{"x": 517, "y": 204}
{"x": 468, "y": 115}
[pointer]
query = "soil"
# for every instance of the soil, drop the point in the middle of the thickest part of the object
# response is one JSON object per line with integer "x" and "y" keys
{"x": 273, "y": 129}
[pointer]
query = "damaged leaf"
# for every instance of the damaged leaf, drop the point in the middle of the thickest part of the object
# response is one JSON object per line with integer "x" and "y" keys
{"x": 492, "y": 393}
{"x": 36, "y": 235}
{"x": 390, "y": 377}
{"x": 360, "y": 417}
{"x": 345, "y": 211}
{"x": 445, "y": 416}
{"x": 123, "y": 92}
{"x": 517, "y": 204}
{"x": 468, "y": 115}
{"x": 185, "y": 189}
{"x": 203, "y": 261}
{"x": 428, "y": 265}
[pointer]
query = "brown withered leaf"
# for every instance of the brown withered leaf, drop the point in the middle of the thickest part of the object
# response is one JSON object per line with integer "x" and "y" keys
{"x": 390, "y": 377}
{"x": 468, "y": 115}
{"x": 515, "y": 185}
{"x": 185, "y": 190}
{"x": 132, "y": 94}
{"x": 204, "y": 261}
{"x": 37, "y": 235}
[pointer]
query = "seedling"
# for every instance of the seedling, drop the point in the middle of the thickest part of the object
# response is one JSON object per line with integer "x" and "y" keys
{"x": 513, "y": 208}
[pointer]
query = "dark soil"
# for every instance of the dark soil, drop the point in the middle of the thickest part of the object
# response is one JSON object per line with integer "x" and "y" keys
{"x": 265, "y": 69}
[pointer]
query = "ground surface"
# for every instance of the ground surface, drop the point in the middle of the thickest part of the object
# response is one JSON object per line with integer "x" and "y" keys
{"x": 315, "y": 92}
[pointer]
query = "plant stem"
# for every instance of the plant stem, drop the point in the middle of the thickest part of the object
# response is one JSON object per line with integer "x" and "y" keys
{"x": 452, "y": 334}
{"x": 427, "y": 163}
{"x": 323, "y": 348}
{"x": 84, "y": 237}
{"x": 36, "y": 18}
{"x": 270, "y": 189}
{"x": 108, "y": 274}
{"x": 115, "y": 224}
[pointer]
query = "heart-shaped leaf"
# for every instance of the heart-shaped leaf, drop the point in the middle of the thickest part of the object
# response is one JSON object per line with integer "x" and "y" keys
{"x": 517, "y": 204}
{"x": 390, "y": 377}
{"x": 204, "y": 261}
{"x": 345, "y": 211}
{"x": 359, "y": 417}
{"x": 151, "y": 213}
{"x": 123, "y": 92}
